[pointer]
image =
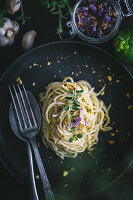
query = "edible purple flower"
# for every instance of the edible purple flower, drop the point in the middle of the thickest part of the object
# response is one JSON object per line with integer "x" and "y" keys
{"x": 85, "y": 8}
{"x": 86, "y": 123}
{"x": 93, "y": 7}
{"x": 96, "y": 19}
{"x": 69, "y": 126}
{"x": 76, "y": 122}
{"x": 107, "y": 18}
{"x": 82, "y": 29}
{"x": 85, "y": 12}
{"x": 94, "y": 28}
{"x": 79, "y": 119}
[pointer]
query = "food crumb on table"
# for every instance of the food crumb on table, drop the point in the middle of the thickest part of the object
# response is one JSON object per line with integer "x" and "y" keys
{"x": 48, "y": 63}
{"x": 93, "y": 72}
{"x": 128, "y": 95}
{"x": 110, "y": 78}
{"x": 112, "y": 134}
{"x": 66, "y": 185}
{"x": 33, "y": 84}
{"x": 111, "y": 141}
{"x": 19, "y": 81}
{"x": 65, "y": 173}
{"x": 129, "y": 107}
{"x": 109, "y": 169}
{"x": 37, "y": 176}
{"x": 102, "y": 93}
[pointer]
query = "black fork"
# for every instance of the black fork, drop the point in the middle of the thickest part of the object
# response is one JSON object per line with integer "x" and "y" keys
{"x": 28, "y": 126}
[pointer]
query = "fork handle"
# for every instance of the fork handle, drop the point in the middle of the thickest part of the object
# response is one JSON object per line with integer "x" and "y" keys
{"x": 46, "y": 185}
{"x": 34, "y": 195}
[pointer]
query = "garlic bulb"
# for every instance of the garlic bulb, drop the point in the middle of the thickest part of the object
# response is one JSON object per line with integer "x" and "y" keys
{"x": 8, "y": 31}
{"x": 28, "y": 40}
{"x": 13, "y": 5}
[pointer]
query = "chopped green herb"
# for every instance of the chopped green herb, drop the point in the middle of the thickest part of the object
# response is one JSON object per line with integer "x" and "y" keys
{"x": 70, "y": 95}
{"x": 70, "y": 101}
{"x": 76, "y": 104}
{"x": 64, "y": 90}
{"x": 75, "y": 108}
{"x": 65, "y": 108}
{"x": 72, "y": 129}
{"x": 71, "y": 139}
{"x": 68, "y": 98}
{"x": 79, "y": 92}
{"x": 79, "y": 135}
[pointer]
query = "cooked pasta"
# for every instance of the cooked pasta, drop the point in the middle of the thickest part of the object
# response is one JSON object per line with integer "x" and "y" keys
{"x": 72, "y": 117}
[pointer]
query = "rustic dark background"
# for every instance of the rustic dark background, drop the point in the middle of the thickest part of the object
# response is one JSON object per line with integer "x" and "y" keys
{"x": 45, "y": 25}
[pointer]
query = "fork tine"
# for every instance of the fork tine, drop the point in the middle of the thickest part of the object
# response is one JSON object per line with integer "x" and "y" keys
{"x": 30, "y": 108}
{"x": 20, "y": 107}
{"x": 15, "y": 107}
{"x": 24, "y": 104}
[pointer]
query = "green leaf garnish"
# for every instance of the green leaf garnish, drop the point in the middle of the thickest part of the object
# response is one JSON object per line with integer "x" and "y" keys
{"x": 65, "y": 108}
{"x": 71, "y": 139}
{"x": 79, "y": 92}
{"x": 61, "y": 8}
{"x": 72, "y": 129}
{"x": 79, "y": 135}
{"x": 70, "y": 95}
{"x": 68, "y": 98}
{"x": 75, "y": 108}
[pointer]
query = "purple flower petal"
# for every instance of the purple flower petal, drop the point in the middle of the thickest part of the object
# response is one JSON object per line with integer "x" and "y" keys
{"x": 91, "y": 6}
{"x": 75, "y": 124}
{"x": 86, "y": 123}
{"x": 107, "y": 18}
{"x": 69, "y": 126}
{"x": 94, "y": 28}
{"x": 79, "y": 119}
{"x": 88, "y": 19}
{"x": 85, "y": 8}
{"x": 85, "y": 12}
{"x": 82, "y": 29}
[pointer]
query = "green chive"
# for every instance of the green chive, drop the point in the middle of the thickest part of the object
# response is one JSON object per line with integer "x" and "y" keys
{"x": 79, "y": 135}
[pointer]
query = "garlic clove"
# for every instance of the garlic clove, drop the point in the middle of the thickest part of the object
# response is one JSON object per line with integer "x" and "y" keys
{"x": 8, "y": 31}
{"x": 13, "y": 5}
{"x": 7, "y": 23}
{"x": 5, "y": 41}
{"x": 2, "y": 32}
{"x": 28, "y": 40}
{"x": 15, "y": 26}
{"x": 11, "y": 41}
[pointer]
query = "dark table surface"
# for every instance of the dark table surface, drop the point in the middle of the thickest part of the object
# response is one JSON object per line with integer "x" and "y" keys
{"x": 45, "y": 25}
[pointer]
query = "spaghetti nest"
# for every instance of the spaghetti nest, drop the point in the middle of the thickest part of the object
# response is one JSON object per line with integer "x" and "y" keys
{"x": 72, "y": 117}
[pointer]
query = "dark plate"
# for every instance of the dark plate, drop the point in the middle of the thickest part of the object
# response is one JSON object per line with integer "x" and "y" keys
{"x": 87, "y": 173}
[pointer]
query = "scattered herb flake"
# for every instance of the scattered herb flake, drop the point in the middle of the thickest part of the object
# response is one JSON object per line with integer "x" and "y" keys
{"x": 65, "y": 108}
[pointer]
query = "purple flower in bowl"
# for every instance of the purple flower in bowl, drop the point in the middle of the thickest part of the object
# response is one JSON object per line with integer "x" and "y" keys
{"x": 107, "y": 18}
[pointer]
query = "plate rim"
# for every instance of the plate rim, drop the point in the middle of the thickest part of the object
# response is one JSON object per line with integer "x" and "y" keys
{"x": 50, "y": 44}
{"x": 61, "y": 42}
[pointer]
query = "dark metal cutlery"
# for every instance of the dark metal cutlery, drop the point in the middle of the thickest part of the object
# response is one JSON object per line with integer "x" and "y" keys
{"x": 25, "y": 120}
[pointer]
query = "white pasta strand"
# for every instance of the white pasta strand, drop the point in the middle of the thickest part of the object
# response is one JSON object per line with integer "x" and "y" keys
{"x": 57, "y": 123}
